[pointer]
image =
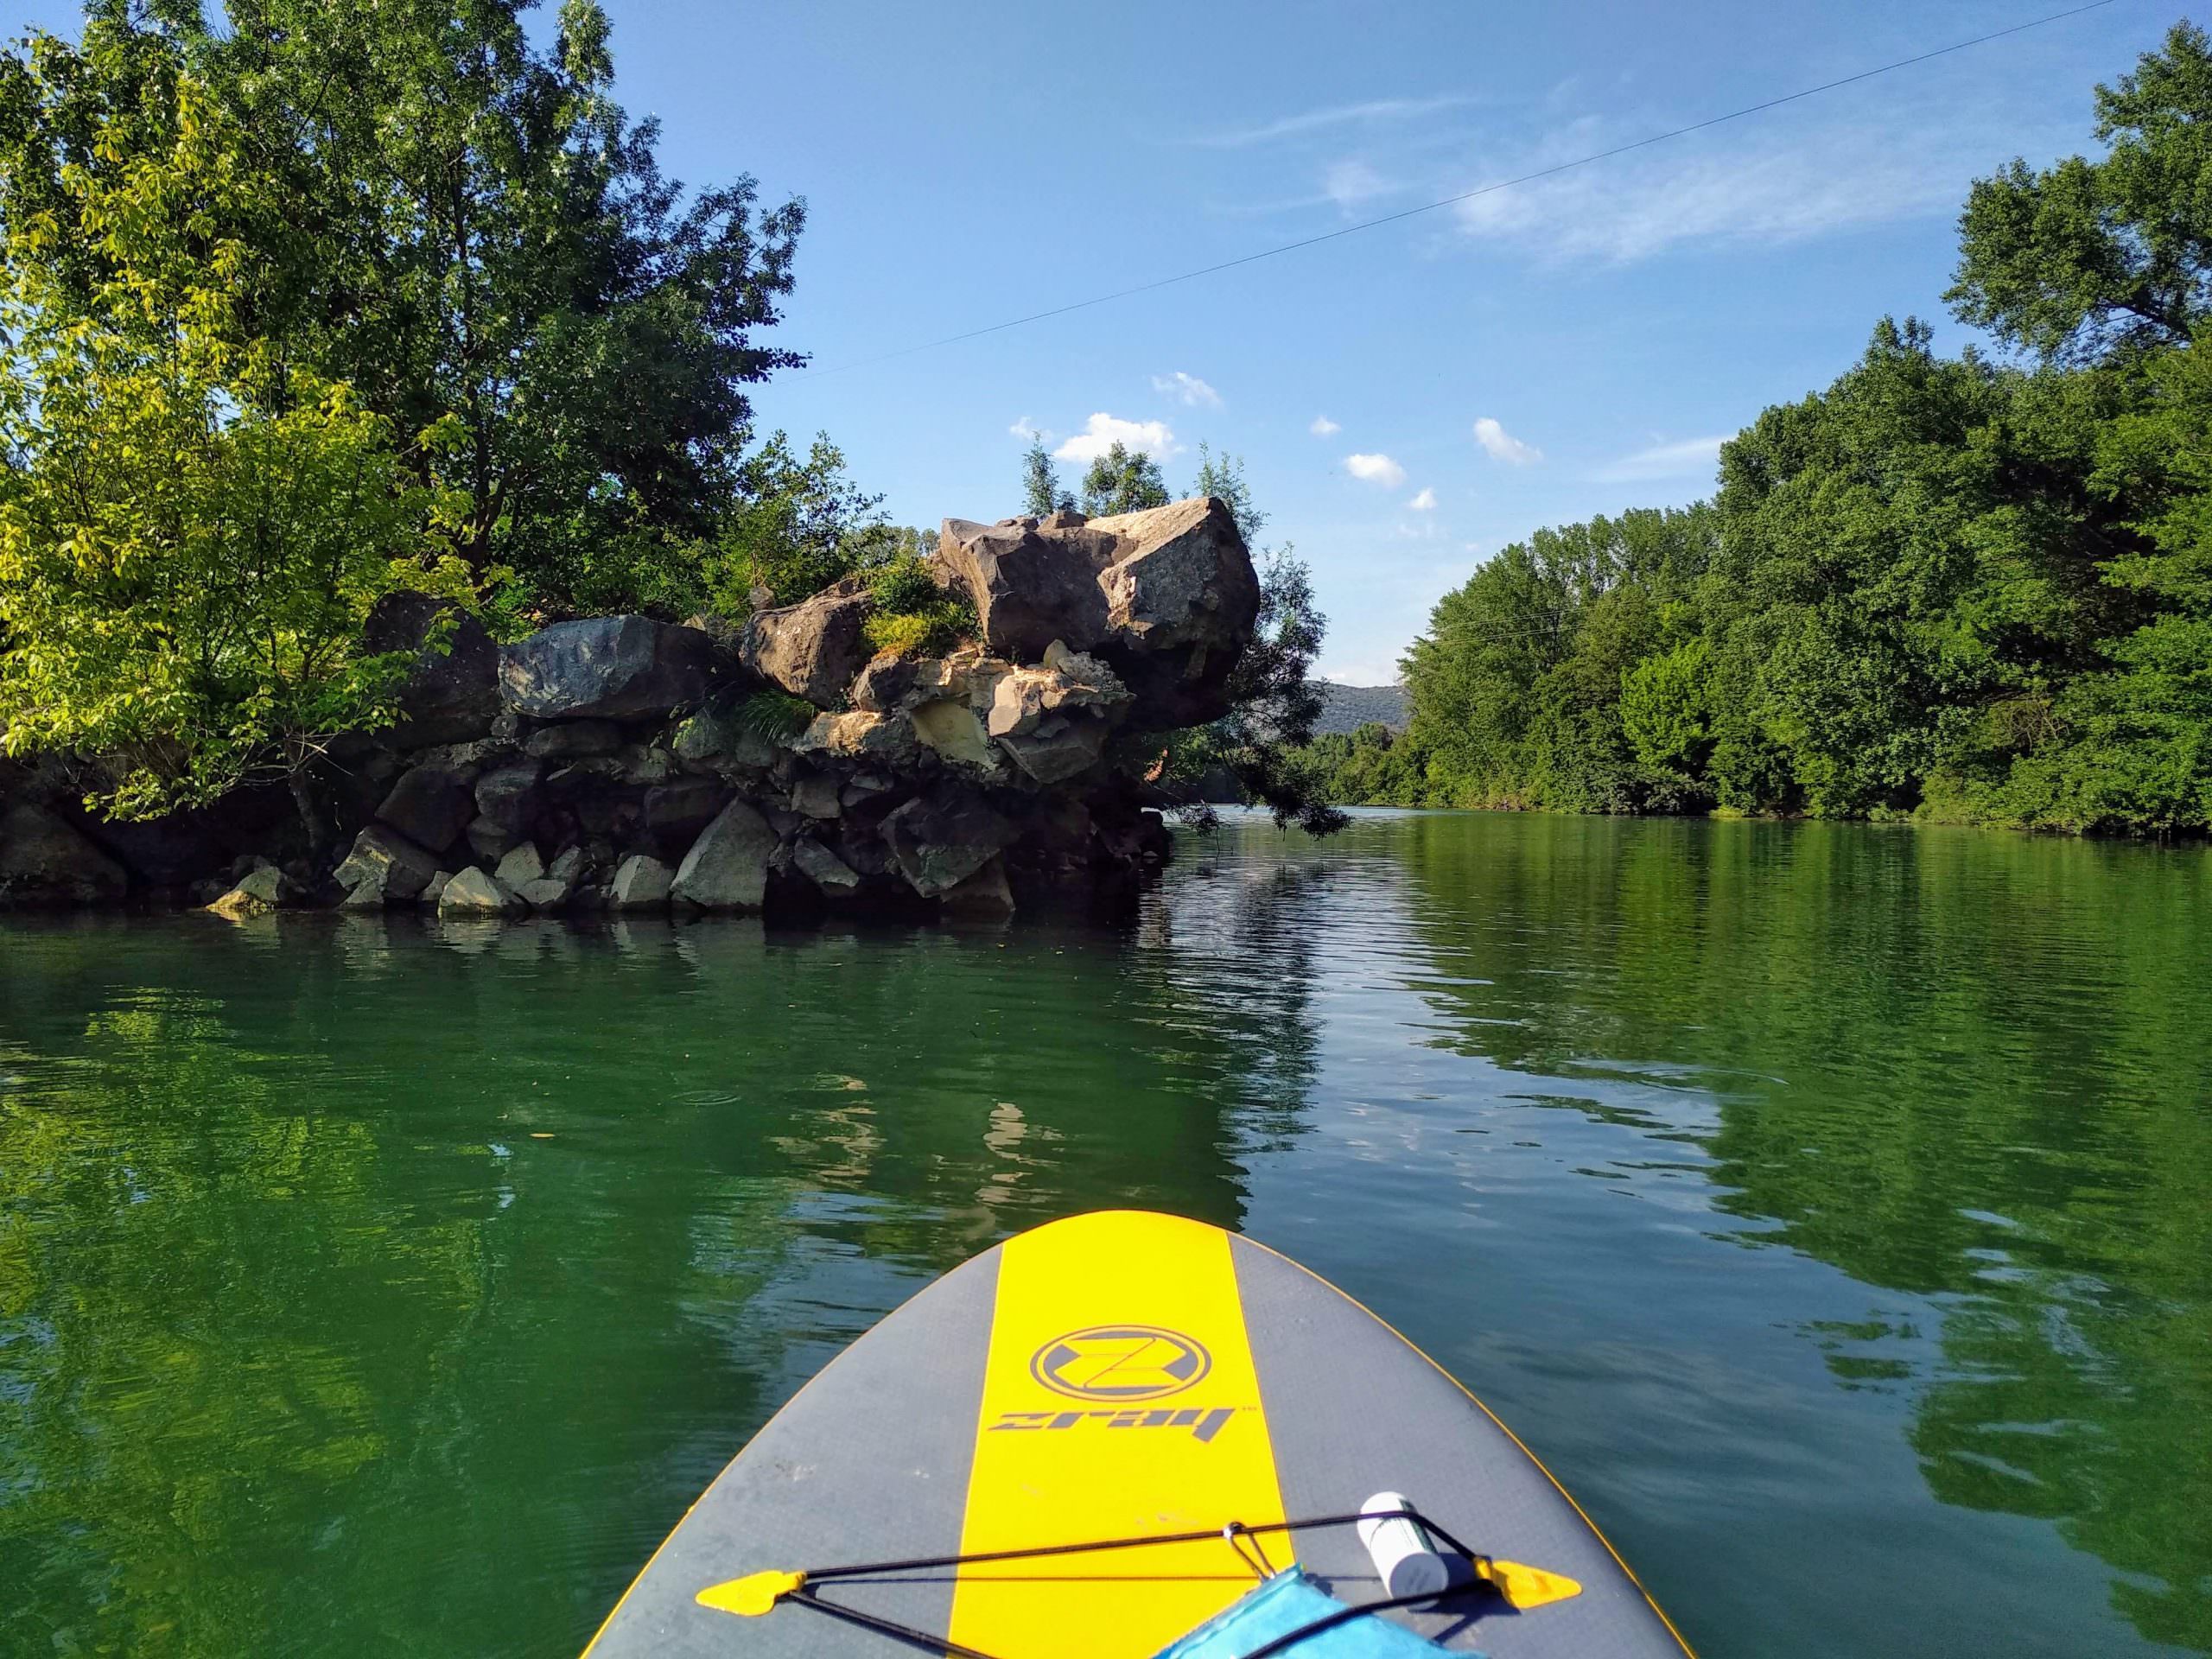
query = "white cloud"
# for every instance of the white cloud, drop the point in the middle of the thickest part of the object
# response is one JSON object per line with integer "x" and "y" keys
{"x": 1375, "y": 469}
{"x": 1425, "y": 502}
{"x": 1341, "y": 114}
{"x": 1188, "y": 387}
{"x": 1323, "y": 427}
{"x": 1022, "y": 429}
{"x": 1503, "y": 445}
{"x": 1691, "y": 455}
{"x": 1103, "y": 431}
{"x": 1350, "y": 183}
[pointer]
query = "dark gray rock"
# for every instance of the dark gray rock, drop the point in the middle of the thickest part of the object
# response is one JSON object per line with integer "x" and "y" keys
{"x": 607, "y": 667}
{"x": 472, "y": 892}
{"x": 488, "y": 840}
{"x": 430, "y": 806}
{"x": 728, "y": 867}
{"x": 941, "y": 839}
{"x": 45, "y": 863}
{"x": 675, "y": 813}
{"x": 832, "y": 877}
{"x": 1030, "y": 587}
{"x": 400, "y": 867}
{"x": 885, "y": 682}
{"x": 508, "y": 795}
{"x": 454, "y": 691}
{"x": 573, "y": 740}
{"x": 814, "y": 648}
{"x": 641, "y": 883}
{"x": 816, "y": 795}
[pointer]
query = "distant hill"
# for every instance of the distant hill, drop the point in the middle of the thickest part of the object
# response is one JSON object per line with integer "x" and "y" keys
{"x": 1347, "y": 708}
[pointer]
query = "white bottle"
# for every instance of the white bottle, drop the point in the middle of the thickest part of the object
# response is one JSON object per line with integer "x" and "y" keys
{"x": 1404, "y": 1559}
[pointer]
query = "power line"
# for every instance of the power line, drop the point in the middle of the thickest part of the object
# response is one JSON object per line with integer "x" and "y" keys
{"x": 1465, "y": 196}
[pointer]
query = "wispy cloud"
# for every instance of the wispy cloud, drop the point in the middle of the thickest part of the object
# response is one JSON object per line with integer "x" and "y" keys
{"x": 1375, "y": 469}
{"x": 1323, "y": 427}
{"x": 1501, "y": 445}
{"x": 1911, "y": 157}
{"x": 1425, "y": 502}
{"x": 1189, "y": 388}
{"x": 1103, "y": 431}
{"x": 1691, "y": 455}
{"x": 1336, "y": 116}
{"x": 1021, "y": 429}
{"x": 1350, "y": 183}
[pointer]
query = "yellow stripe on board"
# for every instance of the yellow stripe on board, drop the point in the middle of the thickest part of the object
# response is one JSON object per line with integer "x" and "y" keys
{"x": 1120, "y": 1398}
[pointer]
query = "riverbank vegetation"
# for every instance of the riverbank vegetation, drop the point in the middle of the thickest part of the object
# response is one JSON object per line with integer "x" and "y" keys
{"x": 308, "y": 306}
{"x": 1972, "y": 589}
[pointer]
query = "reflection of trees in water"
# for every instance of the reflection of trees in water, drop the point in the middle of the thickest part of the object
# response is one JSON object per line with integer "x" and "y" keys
{"x": 364, "y": 1269}
{"x": 1970, "y": 1066}
{"x": 1234, "y": 937}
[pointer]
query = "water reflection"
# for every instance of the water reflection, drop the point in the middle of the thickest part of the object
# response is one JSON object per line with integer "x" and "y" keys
{"x": 1830, "y": 1205}
{"x": 374, "y": 1284}
{"x": 1970, "y": 1067}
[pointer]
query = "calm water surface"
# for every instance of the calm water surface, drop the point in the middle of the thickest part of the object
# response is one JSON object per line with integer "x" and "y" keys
{"x": 1831, "y": 1207}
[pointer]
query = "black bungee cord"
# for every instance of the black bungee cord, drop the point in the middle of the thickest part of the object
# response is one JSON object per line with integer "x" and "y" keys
{"x": 1237, "y": 1535}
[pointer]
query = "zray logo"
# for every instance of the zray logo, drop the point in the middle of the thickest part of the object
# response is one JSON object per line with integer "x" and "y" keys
{"x": 1121, "y": 1362}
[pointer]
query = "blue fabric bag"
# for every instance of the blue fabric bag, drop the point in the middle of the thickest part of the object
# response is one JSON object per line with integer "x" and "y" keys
{"x": 1290, "y": 1601}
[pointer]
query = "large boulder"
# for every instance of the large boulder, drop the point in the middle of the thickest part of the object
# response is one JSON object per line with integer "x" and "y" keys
{"x": 940, "y": 840}
{"x": 812, "y": 649}
{"x": 46, "y": 863}
{"x": 472, "y": 892}
{"x": 429, "y": 806}
{"x": 400, "y": 868}
{"x": 1032, "y": 585}
{"x": 607, "y": 668}
{"x": 728, "y": 867}
{"x": 453, "y": 692}
{"x": 1058, "y": 747}
{"x": 1168, "y": 596}
{"x": 888, "y": 739}
{"x": 641, "y": 883}
{"x": 259, "y": 891}
{"x": 508, "y": 795}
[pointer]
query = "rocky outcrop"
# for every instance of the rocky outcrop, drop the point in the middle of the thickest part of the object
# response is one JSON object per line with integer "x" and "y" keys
{"x": 607, "y": 667}
{"x": 1168, "y": 596}
{"x": 620, "y": 764}
{"x": 814, "y": 648}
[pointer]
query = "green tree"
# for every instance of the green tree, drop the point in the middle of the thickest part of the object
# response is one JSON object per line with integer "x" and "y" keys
{"x": 1122, "y": 481}
{"x": 1041, "y": 494}
{"x": 465, "y": 230}
{"x": 191, "y": 530}
{"x": 2090, "y": 257}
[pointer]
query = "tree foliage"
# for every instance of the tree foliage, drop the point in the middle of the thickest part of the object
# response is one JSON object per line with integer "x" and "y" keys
{"x": 1964, "y": 589}
{"x": 193, "y": 528}
{"x": 464, "y": 230}
{"x": 1122, "y": 481}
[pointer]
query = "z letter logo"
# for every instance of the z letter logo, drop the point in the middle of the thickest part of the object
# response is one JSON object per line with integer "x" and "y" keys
{"x": 1119, "y": 1363}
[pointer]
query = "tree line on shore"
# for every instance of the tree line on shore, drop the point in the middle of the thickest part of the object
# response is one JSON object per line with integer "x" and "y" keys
{"x": 1970, "y": 589}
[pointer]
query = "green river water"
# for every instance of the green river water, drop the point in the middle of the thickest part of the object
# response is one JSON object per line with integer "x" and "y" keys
{"x": 1830, "y": 1206}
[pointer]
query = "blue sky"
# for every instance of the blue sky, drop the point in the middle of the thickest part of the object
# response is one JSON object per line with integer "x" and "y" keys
{"x": 1407, "y": 399}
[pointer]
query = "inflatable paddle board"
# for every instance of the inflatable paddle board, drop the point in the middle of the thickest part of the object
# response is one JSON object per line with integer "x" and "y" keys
{"x": 1091, "y": 1441}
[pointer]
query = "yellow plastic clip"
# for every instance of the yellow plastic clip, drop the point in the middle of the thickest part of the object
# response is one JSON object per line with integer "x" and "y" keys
{"x": 751, "y": 1596}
